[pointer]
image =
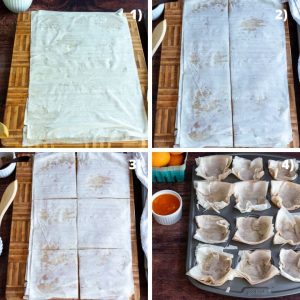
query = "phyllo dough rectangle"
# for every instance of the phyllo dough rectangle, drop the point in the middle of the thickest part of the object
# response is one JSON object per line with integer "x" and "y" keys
{"x": 204, "y": 116}
{"x": 105, "y": 274}
{"x": 80, "y": 247}
{"x": 54, "y": 176}
{"x": 233, "y": 89}
{"x": 84, "y": 85}
{"x": 103, "y": 175}
{"x": 260, "y": 97}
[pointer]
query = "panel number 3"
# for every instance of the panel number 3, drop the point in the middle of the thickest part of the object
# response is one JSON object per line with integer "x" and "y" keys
{"x": 132, "y": 164}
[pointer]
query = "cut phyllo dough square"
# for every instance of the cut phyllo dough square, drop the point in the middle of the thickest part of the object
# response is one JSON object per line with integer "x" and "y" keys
{"x": 53, "y": 274}
{"x": 103, "y": 175}
{"x": 54, "y": 176}
{"x": 103, "y": 223}
{"x": 105, "y": 274}
{"x": 54, "y": 225}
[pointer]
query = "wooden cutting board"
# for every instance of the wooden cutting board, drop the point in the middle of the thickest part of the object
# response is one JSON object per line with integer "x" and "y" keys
{"x": 19, "y": 82}
{"x": 169, "y": 80}
{"x": 20, "y": 232}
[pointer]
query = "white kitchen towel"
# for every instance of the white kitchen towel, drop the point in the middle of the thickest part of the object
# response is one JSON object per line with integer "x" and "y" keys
{"x": 295, "y": 10}
{"x": 84, "y": 84}
{"x": 142, "y": 174}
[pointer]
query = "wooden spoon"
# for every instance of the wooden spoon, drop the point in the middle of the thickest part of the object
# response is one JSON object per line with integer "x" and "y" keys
{"x": 4, "y": 133}
{"x": 158, "y": 35}
{"x": 158, "y": 2}
{"x": 6, "y": 200}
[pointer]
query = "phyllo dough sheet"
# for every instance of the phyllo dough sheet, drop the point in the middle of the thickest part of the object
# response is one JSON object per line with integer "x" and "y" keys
{"x": 259, "y": 80}
{"x": 204, "y": 115}
{"x": 80, "y": 246}
{"x": 84, "y": 84}
{"x": 233, "y": 87}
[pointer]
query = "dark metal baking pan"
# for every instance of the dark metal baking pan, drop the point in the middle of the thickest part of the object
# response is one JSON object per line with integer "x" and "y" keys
{"x": 276, "y": 287}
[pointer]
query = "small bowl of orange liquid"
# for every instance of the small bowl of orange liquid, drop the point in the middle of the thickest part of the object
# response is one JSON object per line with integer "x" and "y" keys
{"x": 167, "y": 207}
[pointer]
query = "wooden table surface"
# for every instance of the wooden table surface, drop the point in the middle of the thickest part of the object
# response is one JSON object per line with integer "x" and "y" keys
{"x": 170, "y": 246}
{"x": 5, "y": 235}
{"x": 8, "y": 27}
{"x": 6, "y": 226}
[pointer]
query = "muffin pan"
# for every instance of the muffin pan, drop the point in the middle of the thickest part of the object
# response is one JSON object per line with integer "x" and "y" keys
{"x": 277, "y": 286}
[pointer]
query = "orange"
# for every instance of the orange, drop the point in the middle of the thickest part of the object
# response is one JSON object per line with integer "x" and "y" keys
{"x": 176, "y": 160}
{"x": 160, "y": 159}
{"x": 176, "y": 153}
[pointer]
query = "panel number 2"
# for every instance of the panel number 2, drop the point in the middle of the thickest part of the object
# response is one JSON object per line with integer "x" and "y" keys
{"x": 281, "y": 14}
